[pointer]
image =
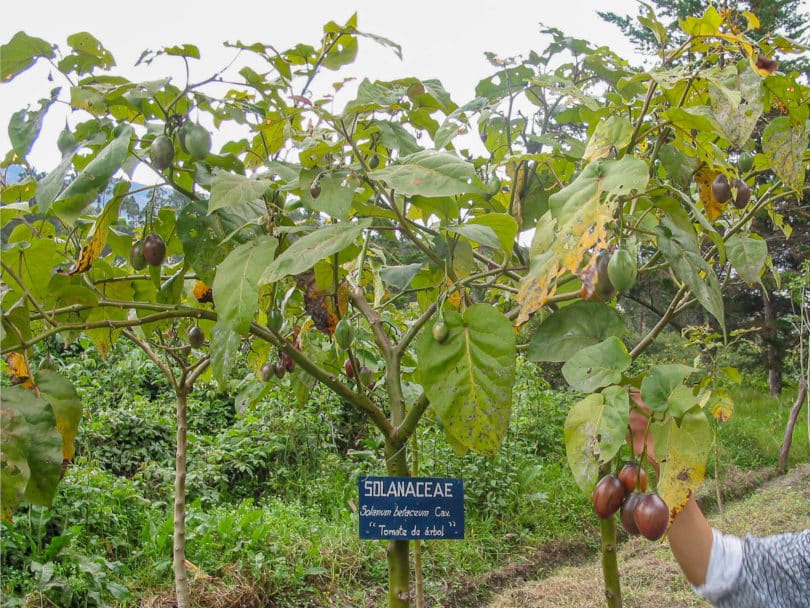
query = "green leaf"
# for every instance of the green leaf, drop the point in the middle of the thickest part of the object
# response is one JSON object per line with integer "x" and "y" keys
{"x": 304, "y": 253}
{"x": 682, "y": 449}
{"x": 747, "y": 255}
{"x": 595, "y": 430}
{"x": 400, "y": 277}
{"x": 483, "y": 235}
{"x": 468, "y": 378}
{"x": 431, "y": 173}
{"x": 785, "y": 143}
{"x": 598, "y": 365}
{"x": 230, "y": 189}
{"x": 15, "y": 437}
{"x": 88, "y": 53}
{"x": 92, "y": 179}
{"x": 236, "y": 285}
{"x": 393, "y": 135}
{"x": 50, "y": 185}
{"x": 502, "y": 224}
{"x": 737, "y": 110}
{"x": 20, "y": 53}
{"x": 224, "y": 349}
{"x": 663, "y": 389}
{"x": 614, "y": 134}
{"x": 570, "y": 329}
{"x": 335, "y": 199}
{"x": 45, "y": 446}
{"x": 679, "y": 246}
{"x": 66, "y": 404}
{"x": 25, "y": 125}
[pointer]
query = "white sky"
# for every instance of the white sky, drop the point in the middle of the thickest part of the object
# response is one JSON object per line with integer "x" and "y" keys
{"x": 444, "y": 39}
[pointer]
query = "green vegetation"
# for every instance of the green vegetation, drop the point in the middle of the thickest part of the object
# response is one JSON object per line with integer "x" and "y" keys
{"x": 271, "y": 503}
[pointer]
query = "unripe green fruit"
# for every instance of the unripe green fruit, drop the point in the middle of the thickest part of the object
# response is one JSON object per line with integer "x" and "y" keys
{"x": 275, "y": 320}
{"x": 161, "y": 152}
{"x": 196, "y": 337}
{"x": 746, "y": 162}
{"x": 65, "y": 142}
{"x": 136, "y": 257}
{"x": 440, "y": 331}
{"x": 344, "y": 334}
{"x": 198, "y": 141}
{"x": 154, "y": 249}
{"x": 374, "y": 161}
{"x": 366, "y": 375}
{"x": 622, "y": 270}
{"x": 493, "y": 185}
{"x": 605, "y": 290}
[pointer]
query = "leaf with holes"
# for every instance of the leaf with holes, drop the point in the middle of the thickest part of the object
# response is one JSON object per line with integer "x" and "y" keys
{"x": 468, "y": 377}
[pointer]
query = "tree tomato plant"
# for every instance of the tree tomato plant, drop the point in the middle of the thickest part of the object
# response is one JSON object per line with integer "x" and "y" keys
{"x": 376, "y": 213}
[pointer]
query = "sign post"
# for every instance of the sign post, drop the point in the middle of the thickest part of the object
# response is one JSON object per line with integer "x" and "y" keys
{"x": 411, "y": 508}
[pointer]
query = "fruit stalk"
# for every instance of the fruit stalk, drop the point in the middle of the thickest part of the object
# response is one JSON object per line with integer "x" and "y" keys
{"x": 610, "y": 565}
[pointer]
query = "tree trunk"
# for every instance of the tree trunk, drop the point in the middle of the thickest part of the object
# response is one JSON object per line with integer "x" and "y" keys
{"x": 398, "y": 551}
{"x": 770, "y": 335}
{"x": 179, "y": 555}
{"x": 610, "y": 564}
{"x": 794, "y": 415}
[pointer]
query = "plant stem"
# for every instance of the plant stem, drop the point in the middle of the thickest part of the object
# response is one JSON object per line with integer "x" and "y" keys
{"x": 179, "y": 538}
{"x": 610, "y": 566}
{"x": 398, "y": 551}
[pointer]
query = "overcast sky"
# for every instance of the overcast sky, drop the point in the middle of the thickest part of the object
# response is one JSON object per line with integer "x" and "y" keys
{"x": 444, "y": 39}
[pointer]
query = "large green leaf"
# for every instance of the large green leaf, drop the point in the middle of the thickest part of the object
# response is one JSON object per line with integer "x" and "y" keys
{"x": 230, "y": 189}
{"x": 92, "y": 179}
{"x": 34, "y": 265}
{"x": 225, "y": 343}
{"x": 431, "y": 173}
{"x": 335, "y": 198}
{"x": 785, "y": 143}
{"x": 45, "y": 446}
{"x": 20, "y": 53}
{"x": 613, "y": 134}
{"x": 205, "y": 237}
{"x": 24, "y": 126}
{"x": 66, "y": 404}
{"x": 679, "y": 246}
{"x": 598, "y": 365}
{"x": 595, "y": 430}
{"x": 570, "y": 329}
{"x": 502, "y": 224}
{"x": 304, "y": 253}
{"x": 682, "y": 448}
{"x": 737, "y": 109}
{"x": 15, "y": 437}
{"x": 236, "y": 285}
{"x": 88, "y": 53}
{"x": 747, "y": 255}
{"x": 468, "y": 378}
{"x": 663, "y": 389}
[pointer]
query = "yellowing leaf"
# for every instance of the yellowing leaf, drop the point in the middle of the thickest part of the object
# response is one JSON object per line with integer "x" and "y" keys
{"x": 98, "y": 234}
{"x": 682, "y": 450}
{"x": 704, "y": 178}
{"x": 721, "y": 405}
{"x": 19, "y": 370}
{"x": 538, "y": 286}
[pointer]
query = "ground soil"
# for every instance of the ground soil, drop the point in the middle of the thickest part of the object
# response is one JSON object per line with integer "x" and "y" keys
{"x": 569, "y": 576}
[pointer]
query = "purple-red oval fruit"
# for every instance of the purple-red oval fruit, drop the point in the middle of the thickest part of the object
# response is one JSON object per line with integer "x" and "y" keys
{"x": 607, "y": 496}
{"x": 154, "y": 249}
{"x": 721, "y": 190}
{"x": 348, "y": 368}
{"x": 651, "y": 516}
{"x": 267, "y": 371}
{"x": 743, "y": 194}
{"x": 628, "y": 513}
{"x": 280, "y": 369}
{"x": 631, "y": 474}
{"x": 196, "y": 336}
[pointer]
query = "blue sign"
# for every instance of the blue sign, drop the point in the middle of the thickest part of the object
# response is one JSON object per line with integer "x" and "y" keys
{"x": 411, "y": 508}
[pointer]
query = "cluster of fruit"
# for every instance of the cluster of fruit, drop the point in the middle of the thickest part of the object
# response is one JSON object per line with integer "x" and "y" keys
{"x": 641, "y": 512}
{"x": 151, "y": 250}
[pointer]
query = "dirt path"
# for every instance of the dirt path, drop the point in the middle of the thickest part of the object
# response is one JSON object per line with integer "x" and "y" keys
{"x": 650, "y": 576}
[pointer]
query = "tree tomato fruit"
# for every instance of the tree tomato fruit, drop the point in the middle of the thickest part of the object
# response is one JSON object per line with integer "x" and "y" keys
{"x": 628, "y": 513}
{"x": 154, "y": 249}
{"x": 622, "y": 270}
{"x": 161, "y": 152}
{"x": 608, "y": 496}
{"x": 743, "y": 194}
{"x": 198, "y": 141}
{"x": 196, "y": 336}
{"x": 344, "y": 333}
{"x": 440, "y": 331}
{"x": 651, "y": 516}
{"x": 721, "y": 191}
{"x": 631, "y": 475}
{"x": 136, "y": 257}
{"x": 275, "y": 320}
